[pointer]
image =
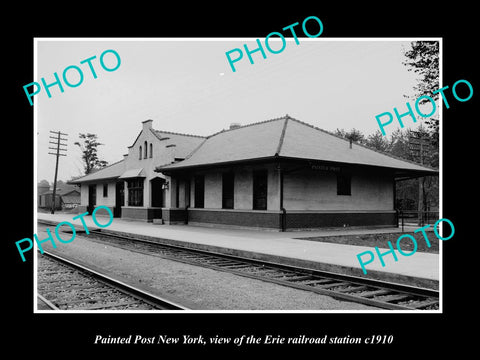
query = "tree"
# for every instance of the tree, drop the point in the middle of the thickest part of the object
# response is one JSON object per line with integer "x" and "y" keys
{"x": 423, "y": 59}
{"x": 401, "y": 144}
{"x": 377, "y": 141}
{"x": 89, "y": 146}
{"x": 44, "y": 183}
{"x": 42, "y": 187}
{"x": 424, "y": 152}
{"x": 64, "y": 186}
{"x": 354, "y": 135}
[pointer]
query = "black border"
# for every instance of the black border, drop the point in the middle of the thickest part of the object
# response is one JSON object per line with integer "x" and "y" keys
{"x": 66, "y": 335}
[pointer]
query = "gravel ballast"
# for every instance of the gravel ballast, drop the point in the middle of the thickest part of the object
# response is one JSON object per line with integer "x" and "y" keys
{"x": 206, "y": 288}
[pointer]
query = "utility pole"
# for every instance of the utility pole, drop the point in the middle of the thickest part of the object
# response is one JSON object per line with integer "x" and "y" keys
{"x": 58, "y": 139}
{"x": 419, "y": 143}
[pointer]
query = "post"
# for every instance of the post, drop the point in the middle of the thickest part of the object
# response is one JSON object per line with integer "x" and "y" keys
{"x": 55, "y": 178}
{"x": 419, "y": 142}
{"x": 283, "y": 215}
{"x": 420, "y": 189}
{"x": 57, "y": 154}
{"x": 401, "y": 214}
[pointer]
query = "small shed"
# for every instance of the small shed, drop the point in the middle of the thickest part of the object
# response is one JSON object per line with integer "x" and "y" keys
{"x": 71, "y": 199}
{"x": 67, "y": 198}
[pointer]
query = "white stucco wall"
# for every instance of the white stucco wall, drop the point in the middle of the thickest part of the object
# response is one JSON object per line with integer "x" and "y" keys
{"x": 318, "y": 191}
{"x": 161, "y": 155}
{"x": 213, "y": 190}
{"x": 84, "y": 194}
{"x": 243, "y": 189}
{"x": 109, "y": 200}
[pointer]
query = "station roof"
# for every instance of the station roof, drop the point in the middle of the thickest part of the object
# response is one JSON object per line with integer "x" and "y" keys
{"x": 133, "y": 173}
{"x": 181, "y": 144}
{"x": 112, "y": 171}
{"x": 184, "y": 143}
{"x": 288, "y": 138}
{"x": 62, "y": 192}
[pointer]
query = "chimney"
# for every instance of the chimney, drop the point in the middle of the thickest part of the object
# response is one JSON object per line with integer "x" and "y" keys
{"x": 235, "y": 125}
{"x": 147, "y": 124}
{"x": 171, "y": 152}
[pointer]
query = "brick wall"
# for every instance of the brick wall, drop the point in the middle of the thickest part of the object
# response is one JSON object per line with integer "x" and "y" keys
{"x": 294, "y": 221}
{"x": 141, "y": 213}
{"x": 339, "y": 219}
{"x": 174, "y": 216}
{"x": 257, "y": 219}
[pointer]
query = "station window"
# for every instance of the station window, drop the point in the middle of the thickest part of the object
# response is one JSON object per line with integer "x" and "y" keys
{"x": 151, "y": 150}
{"x": 135, "y": 192}
{"x": 227, "y": 190}
{"x": 140, "y": 153}
{"x": 199, "y": 191}
{"x": 344, "y": 184}
{"x": 145, "y": 150}
{"x": 105, "y": 190}
{"x": 260, "y": 189}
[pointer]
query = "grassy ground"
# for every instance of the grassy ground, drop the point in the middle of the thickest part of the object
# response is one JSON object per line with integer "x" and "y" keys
{"x": 381, "y": 240}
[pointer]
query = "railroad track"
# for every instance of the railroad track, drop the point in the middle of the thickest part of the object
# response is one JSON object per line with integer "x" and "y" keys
{"x": 63, "y": 284}
{"x": 343, "y": 287}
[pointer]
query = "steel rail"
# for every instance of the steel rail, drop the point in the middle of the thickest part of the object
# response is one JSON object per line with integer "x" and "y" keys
{"x": 238, "y": 265}
{"x": 154, "y": 300}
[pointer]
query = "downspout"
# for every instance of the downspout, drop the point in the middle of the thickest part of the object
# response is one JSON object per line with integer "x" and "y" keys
{"x": 283, "y": 215}
{"x": 395, "y": 202}
{"x": 187, "y": 197}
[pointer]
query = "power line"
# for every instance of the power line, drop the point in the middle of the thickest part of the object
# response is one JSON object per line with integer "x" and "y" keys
{"x": 58, "y": 153}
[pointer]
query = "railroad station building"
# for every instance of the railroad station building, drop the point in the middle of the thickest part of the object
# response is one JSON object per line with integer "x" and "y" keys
{"x": 131, "y": 188}
{"x": 280, "y": 174}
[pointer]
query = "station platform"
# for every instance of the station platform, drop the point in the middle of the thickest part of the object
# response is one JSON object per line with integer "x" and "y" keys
{"x": 420, "y": 269}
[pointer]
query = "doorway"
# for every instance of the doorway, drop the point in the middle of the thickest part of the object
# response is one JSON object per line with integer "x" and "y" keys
{"x": 119, "y": 198}
{"x": 92, "y": 198}
{"x": 156, "y": 186}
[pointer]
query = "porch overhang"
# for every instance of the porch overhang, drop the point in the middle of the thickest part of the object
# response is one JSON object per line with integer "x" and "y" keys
{"x": 133, "y": 173}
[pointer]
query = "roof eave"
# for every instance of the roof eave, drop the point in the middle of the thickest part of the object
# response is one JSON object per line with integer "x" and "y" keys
{"x": 169, "y": 168}
{"x": 80, "y": 181}
{"x": 410, "y": 173}
{"x": 414, "y": 174}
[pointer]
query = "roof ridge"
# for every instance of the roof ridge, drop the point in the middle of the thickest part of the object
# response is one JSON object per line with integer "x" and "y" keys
{"x": 364, "y": 146}
{"x": 195, "y": 150}
{"x": 154, "y": 132}
{"x": 116, "y": 162}
{"x": 247, "y": 125}
{"x": 175, "y": 133}
{"x": 226, "y": 130}
{"x": 282, "y": 136}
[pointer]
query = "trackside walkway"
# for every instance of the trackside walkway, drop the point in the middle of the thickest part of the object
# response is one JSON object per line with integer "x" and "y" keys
{"x": 420, "y": 269}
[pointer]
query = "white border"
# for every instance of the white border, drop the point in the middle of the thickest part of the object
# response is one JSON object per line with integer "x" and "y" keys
{"x": 186, "y": 312}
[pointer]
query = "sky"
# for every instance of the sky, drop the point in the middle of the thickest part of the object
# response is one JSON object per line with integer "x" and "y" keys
{"x": 188, "y": 86}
